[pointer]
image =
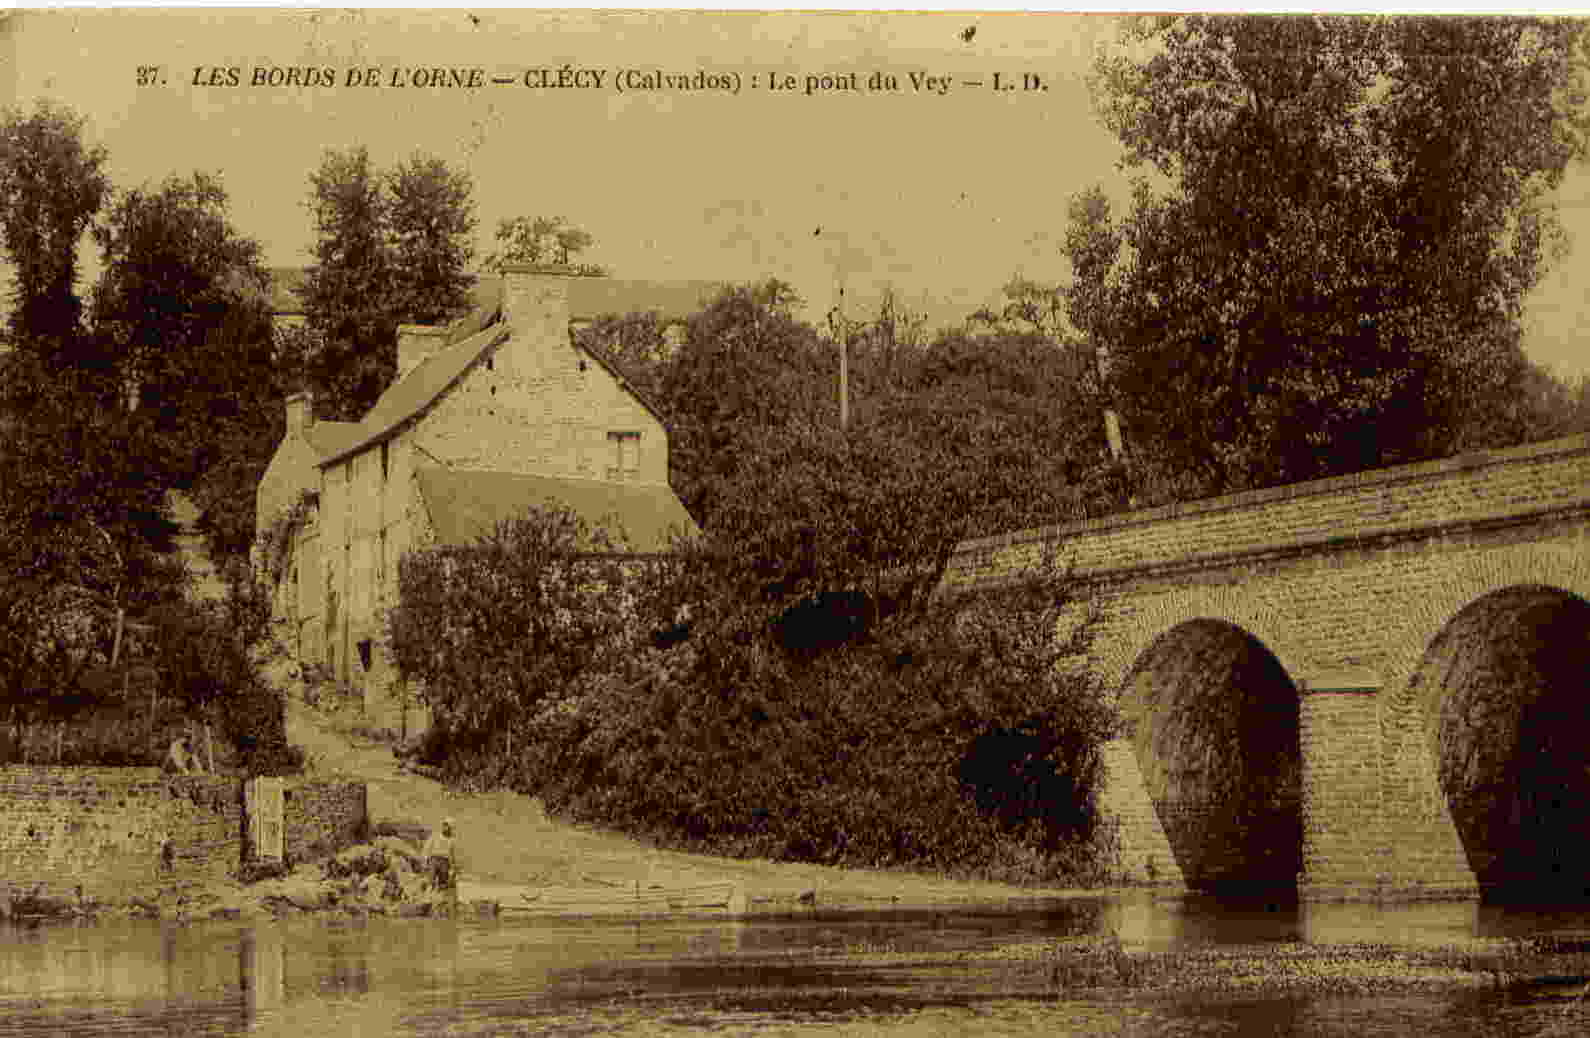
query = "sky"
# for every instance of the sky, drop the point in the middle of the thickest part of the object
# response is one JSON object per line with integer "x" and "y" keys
{"x": 940, "y": 190}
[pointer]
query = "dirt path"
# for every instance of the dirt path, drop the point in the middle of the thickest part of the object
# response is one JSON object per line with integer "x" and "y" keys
{"x": 507, "y": 838}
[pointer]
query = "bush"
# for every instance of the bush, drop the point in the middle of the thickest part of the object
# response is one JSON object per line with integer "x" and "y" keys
{"x": 948, "y": 739}
{"x": 204, "y": 663}
{"x": 486, "y": 631}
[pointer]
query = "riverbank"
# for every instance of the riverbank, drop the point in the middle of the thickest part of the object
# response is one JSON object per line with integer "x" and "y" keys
{"x": 505, "y": 838}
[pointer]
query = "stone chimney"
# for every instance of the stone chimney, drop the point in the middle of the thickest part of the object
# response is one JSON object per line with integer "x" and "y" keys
{"x": 300, "y": 412}
{"x": 416, "y": 342}
{"x": 537, "y": 294}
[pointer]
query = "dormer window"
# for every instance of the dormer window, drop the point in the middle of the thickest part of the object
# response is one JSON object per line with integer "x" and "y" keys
{"x": 625, "y": 454}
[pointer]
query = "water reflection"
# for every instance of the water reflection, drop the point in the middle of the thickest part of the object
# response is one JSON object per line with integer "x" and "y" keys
{"x": 950, "y": 971}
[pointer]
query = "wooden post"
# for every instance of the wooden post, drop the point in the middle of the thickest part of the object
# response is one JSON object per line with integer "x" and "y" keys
{"x": 844, "y": 381}
{"x": 209, "y": 747}
{"x": 115, "y": 646}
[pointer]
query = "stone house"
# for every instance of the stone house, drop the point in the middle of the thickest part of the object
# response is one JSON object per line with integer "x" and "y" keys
{"x": 487, "y": 418}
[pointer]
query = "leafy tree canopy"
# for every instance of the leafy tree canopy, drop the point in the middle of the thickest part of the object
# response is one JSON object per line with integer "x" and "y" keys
{"x": 181, "y": 309}
{"x": 51, "y": 187}
{"x": 391, "y": 248}
{"x": 539, "y": 239}
{"x": 432, "y": 223}
{"x": 1327, "y": 271}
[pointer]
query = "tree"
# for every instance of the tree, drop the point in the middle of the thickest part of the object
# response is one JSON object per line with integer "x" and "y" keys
{"x": 540, "y": 239}
{"x": 747, "y": 366}
{"x": 391, "y": 248}
{"x": 83, "y": 532}
{"x": 1030, "y": 306}
{"x": 84, "y": 539}
{"x": 180, "y": 308}
{"x": 51, "y": 187}
{"x": 636, "y": 343}
{"x": 1355, "y": 210}
{"x": 431, "y": 220}
{"x": 348, "y": 291}
{"x": 808, "y": 697}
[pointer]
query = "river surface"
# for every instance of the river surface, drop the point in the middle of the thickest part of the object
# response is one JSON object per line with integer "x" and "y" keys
{"x": 959, "y": 971}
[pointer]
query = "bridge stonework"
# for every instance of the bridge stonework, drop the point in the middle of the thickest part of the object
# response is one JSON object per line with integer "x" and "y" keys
{"x": 1347, "y": 582}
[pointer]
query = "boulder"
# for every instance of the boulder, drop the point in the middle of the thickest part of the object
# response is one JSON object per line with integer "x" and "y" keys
{"x": 357, "y": 862}
{"x": 398, "y": 851}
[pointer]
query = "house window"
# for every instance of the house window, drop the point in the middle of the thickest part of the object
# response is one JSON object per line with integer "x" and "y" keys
{"x": 625, "y": 455}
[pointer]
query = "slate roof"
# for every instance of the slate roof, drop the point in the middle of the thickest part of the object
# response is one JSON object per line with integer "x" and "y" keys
{"x": 416, "y": 391}
{"x": 464, "y": 505}
{"x": 332, "y": 438}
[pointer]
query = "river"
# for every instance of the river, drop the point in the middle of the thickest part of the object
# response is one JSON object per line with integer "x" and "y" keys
{"x": 958, "y": 971}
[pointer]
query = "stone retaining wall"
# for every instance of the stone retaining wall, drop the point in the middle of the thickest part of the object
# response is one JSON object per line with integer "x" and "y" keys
{"x": 123, "y": 832}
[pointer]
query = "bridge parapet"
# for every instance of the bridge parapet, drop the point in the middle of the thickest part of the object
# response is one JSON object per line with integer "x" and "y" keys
{"x": 1475, "y": 490}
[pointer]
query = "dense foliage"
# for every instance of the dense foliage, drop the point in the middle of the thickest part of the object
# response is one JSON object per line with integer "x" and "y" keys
{"x": 51, "y": 185}
{"x": 101, "y": 419}
{"x": 391, "y": 247}
{"x": 940, "y": 736}
{"x": 1327, "y": 269}
{"x": 489, "y": 630}
{"x": 181, "y": 311}
{"x": 539, "y": 239}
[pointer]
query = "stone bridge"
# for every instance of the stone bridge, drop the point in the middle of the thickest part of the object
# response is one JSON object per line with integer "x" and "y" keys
{"x": 1371, "y": 685}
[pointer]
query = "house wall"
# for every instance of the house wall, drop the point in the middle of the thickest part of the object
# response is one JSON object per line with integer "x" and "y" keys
{"x": 308, "y": 590}
{"x": 371, "y": 517}
{"x": 542, "y": 406}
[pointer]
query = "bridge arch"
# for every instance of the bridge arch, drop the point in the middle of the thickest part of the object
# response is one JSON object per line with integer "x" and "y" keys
{"x": 1486, "y": 723}
{"x": 1255, "y": 613}
{"x": 1213, "y": 719}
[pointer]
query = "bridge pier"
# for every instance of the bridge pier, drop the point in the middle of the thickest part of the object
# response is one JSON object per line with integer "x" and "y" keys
{"x": 1371, "y": 828}
{"x": 1375, "y": 823}
{"x": 1142, "y": 849}
{"x": 1343, "y": 822}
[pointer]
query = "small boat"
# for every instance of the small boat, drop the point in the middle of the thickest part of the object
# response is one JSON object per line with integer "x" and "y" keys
{"x": 1555, "y": 988}
{"x": 727, "y": 898}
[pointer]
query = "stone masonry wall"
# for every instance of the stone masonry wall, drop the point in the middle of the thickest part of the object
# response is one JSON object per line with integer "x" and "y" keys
{"x": 1142, "y": 851}
{"x": 321, "y": 817}
{"x": 115, "y": 831}
{"x": 120, "y": 832}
